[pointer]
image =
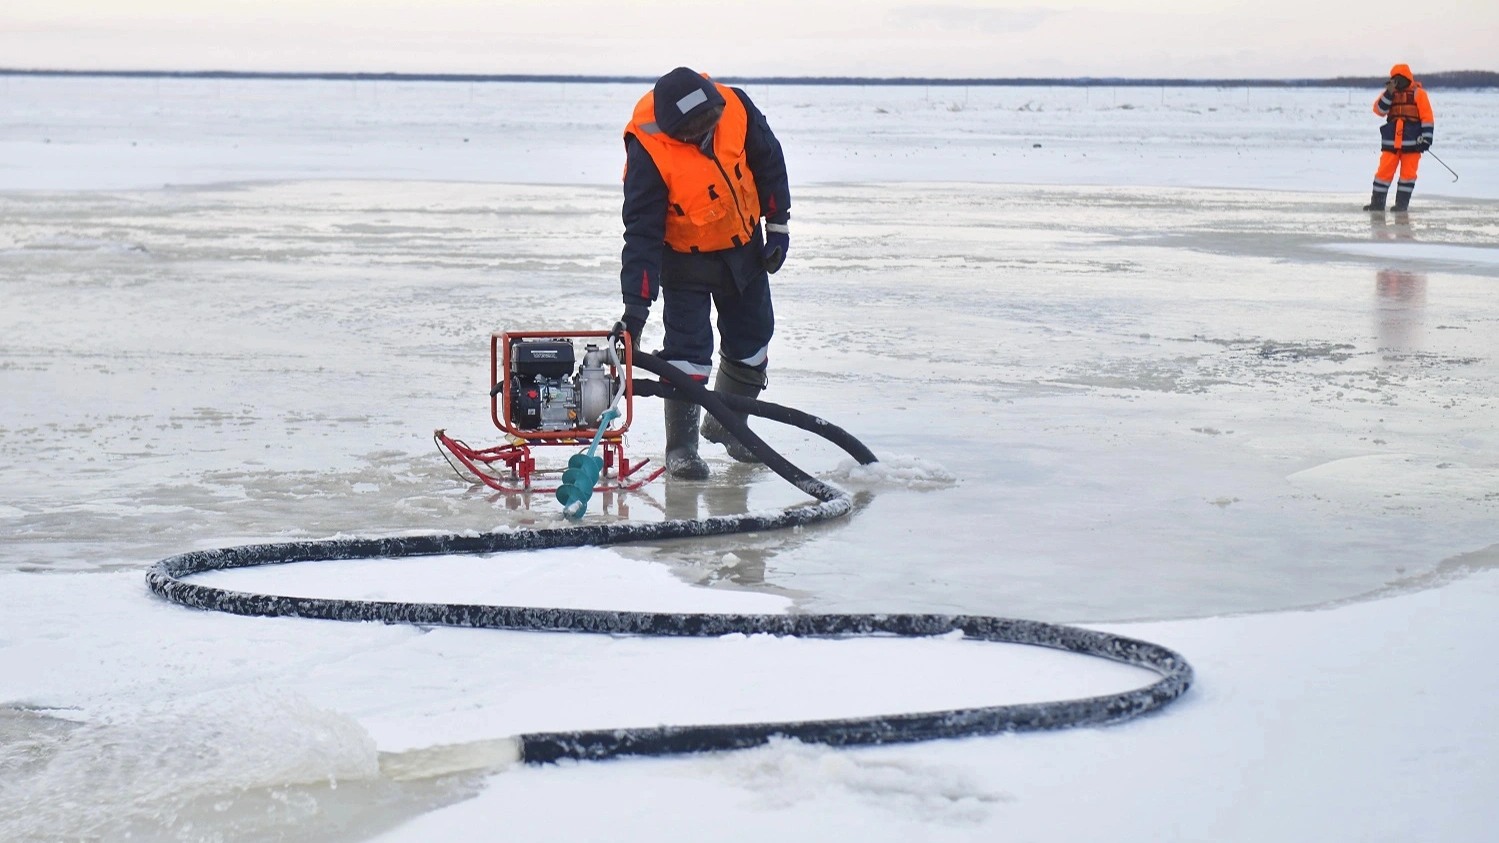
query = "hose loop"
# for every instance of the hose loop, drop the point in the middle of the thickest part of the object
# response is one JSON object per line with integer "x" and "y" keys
{"x": 170, "y": 579}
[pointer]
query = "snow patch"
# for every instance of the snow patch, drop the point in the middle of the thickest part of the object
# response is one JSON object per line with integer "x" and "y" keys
{"x": 1394, "y": 477}
{"x": 788, "y": 772}
{"x": 571, "y": 578}
{"x": 899, "y": 471}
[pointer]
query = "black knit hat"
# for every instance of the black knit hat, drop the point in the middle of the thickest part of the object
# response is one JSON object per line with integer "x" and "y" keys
{"x": 682, "y": 94}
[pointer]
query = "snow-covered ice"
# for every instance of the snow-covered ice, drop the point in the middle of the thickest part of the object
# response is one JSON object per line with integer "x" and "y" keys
{"x": 1366, "y": 722}
{"x": 1410, "y": 251}
{"x": 1157, "y": 375}
{"x": 143, "y": 133}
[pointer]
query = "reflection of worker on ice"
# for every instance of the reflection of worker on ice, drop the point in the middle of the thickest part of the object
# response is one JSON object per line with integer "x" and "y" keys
{"x": 1406, "y": 134}
{"x": 1400, "y": 307}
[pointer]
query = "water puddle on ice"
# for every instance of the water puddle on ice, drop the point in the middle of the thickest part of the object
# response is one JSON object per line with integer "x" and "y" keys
{"x": 228, "y": 766}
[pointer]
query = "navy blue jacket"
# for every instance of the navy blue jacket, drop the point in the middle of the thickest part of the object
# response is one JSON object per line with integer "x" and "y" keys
{"x": 645, "y": 208}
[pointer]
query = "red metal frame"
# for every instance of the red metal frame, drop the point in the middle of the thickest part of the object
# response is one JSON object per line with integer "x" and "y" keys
{"x": 517, "y": 470}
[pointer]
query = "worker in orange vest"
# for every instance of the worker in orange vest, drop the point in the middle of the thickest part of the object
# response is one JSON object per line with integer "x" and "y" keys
{"x": 702, "y": 168}
{"x": 1407, "y": 133}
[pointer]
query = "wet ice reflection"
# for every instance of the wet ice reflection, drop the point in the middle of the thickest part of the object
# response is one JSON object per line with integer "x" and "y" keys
{"x": 1391, "y": 227}
{"x": 1149, "y": 402}
{"x": 1400, "y": 307}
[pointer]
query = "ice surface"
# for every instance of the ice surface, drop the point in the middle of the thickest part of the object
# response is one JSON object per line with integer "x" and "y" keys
{"x": 1152, "y": 369}
{"x": 193, "y": 724}
{"x": 1359, "y": 723}
{"x": 1411, "y": 252}
{"x": 1117, "y": 379}
{"x": 577, "y": 578}
{"x": 134, "y": 133}
{"x": 248, "y": 763}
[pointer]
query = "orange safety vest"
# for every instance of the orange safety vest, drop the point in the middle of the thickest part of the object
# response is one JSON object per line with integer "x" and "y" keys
{"x": 713, "y": 201}
{"x": 1409, "y": 105}
{"x": 1404, "y": 105}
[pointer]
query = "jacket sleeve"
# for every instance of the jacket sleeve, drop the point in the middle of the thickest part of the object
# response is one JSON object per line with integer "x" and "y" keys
{"x": 1382, "y": 105}
{"x": 1423, "y": 107}
{"x": 767, "y": 162}
{"x": 644, "y": 216}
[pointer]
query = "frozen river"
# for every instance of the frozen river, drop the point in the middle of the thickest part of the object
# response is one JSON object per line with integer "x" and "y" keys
{"x": 133, "y": 133}
{"x": 1152, "y": 402}
{"x": 1154, "y": 369}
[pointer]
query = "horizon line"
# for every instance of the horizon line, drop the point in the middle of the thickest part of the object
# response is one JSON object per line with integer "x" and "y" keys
{"x": 1448, "y": 79}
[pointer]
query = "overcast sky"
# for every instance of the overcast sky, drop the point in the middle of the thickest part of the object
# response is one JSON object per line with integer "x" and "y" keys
{"x": 1270, "y": 38}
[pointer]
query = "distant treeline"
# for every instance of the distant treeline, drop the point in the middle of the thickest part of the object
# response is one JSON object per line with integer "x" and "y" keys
{"x": 1446, "y": 79}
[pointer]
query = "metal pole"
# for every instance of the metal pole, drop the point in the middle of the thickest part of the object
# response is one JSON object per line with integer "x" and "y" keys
{"x": 1444, "y": 164}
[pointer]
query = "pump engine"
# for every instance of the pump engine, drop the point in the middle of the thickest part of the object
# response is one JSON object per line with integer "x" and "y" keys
{"x": 546, "y": 394}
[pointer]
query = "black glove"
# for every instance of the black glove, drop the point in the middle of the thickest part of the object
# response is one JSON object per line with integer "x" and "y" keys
{"x": 634, "y": 322}
{"x": 1426, "y": 140}
{"x": 777, "y": 244}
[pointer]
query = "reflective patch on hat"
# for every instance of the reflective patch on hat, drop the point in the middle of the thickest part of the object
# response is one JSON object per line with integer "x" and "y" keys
{"x": 691, "y": 101}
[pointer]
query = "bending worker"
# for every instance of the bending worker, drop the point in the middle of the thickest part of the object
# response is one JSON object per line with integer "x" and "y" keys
{"x": 1407, "y": 133}
{"x": 701, "y": 168}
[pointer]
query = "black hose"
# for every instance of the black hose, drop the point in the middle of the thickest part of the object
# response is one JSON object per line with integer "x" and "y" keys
{"x": 765, "y": 409}
{"x": 167, "y": 578}
{"x": 714, "y": 403}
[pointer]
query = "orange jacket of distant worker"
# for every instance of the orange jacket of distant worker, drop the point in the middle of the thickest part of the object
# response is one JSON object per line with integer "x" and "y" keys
{"x": 1407, "y": 114}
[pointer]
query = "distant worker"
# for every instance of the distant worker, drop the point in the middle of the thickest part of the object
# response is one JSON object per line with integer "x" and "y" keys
{"x": 701, "y": 168}
{"x": 1407, "y": 133}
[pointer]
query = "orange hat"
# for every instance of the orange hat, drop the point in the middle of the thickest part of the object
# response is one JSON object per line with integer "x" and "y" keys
{"x": 1403, "y": 70}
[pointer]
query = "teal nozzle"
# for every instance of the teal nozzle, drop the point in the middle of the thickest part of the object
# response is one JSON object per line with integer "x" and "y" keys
{"x": 582, "y": 474}
{"x": 578, "y": 480}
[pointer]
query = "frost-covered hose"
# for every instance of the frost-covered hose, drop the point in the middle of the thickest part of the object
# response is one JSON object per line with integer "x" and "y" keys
{"x": 167, "y": 578}
{"x": 680, "y": 386}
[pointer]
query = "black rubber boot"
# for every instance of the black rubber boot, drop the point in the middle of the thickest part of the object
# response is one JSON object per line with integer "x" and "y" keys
{"x": 1376, "y": 199}
{"x": 734, "y": 379}
{"x": 1403, "y": 196}
{"x": 682, "y": 460}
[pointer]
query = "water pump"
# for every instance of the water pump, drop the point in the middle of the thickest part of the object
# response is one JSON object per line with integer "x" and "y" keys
{"x": 546, "y": 394}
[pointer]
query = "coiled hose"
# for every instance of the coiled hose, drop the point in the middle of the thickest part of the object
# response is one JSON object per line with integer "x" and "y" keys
{"x": 169, "y": 579}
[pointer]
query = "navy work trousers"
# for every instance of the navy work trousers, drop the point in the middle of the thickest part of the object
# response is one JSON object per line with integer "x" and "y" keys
{"x": 746, "y": 321}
